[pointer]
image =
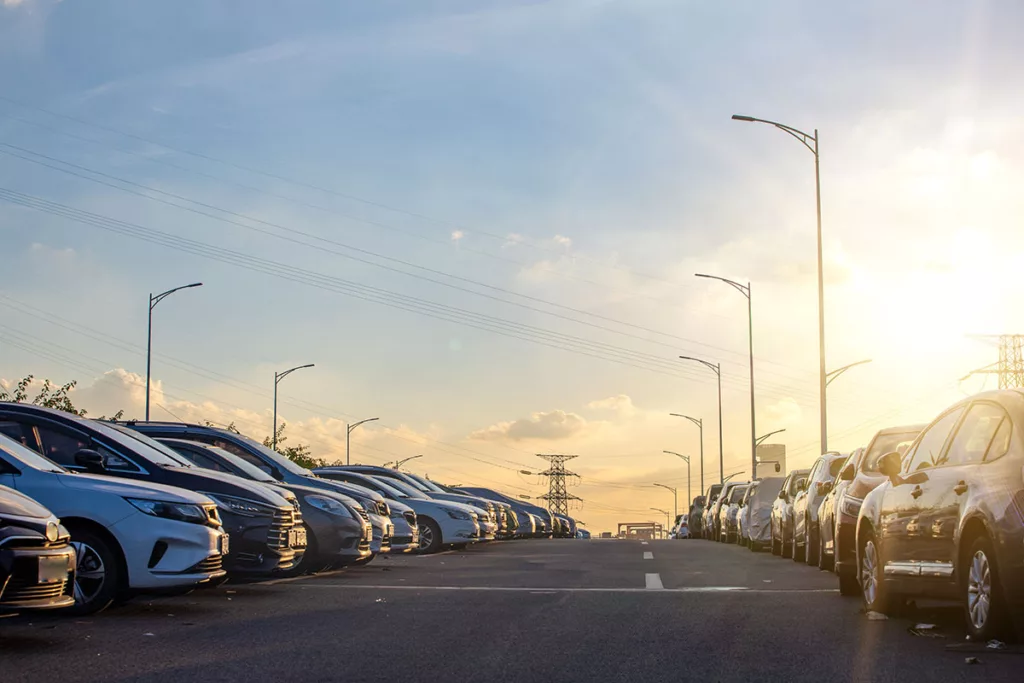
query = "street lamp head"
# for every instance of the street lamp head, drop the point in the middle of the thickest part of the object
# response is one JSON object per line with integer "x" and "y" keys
{"x": 742, "y": 117}
{"x": 526, "y": 472}
{"x": 194, "y": 284}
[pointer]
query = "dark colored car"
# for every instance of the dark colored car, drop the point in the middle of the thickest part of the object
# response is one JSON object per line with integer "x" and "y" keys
{"x": 947, "y": 522}
{"x": 265, "y": 529}
{"x": 827, "y": 514}
{"x": 37, "y": 562}
{"x": 805, "y": 506}
{"x": 782, "y": 514}
{"x": 856, "y": 480}
{"x": 706, "y": 527}
{"x": 695, "y": 519}
{"x": 337, "y": 528}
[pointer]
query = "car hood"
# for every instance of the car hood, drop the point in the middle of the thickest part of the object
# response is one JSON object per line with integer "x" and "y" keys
{"x": 351, "y": 490}
{"x": 864, "y": 483}
{"x": 303, "y": 491}
{"x": 19, "y": 505}
{"x": 243, "y": 487}
{"x": 128, "y": 488}
{"x": 399, "y": 506}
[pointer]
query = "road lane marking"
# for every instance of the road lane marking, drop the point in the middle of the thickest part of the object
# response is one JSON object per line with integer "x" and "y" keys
{"x": 643, "y": 542}
{"x": 653, "y": 582}
{"x": 518, "y": 589}
{"x": 648, "y": 555}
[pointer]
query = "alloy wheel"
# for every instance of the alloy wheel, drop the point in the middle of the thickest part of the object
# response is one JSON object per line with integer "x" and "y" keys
{"x": 979, "y": 590}
{"x": 869, "y": 574}
{"x": 90, "y": 573}
{"x": 426, "y": 536}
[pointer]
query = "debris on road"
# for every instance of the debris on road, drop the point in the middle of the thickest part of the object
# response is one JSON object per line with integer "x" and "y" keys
{"x": 972, "y": 660}
{"x": 996, "y": 645}
{"x": 380, "y": 600}
{"x": 875, "y": 616}
{"x": 925, "y": 631}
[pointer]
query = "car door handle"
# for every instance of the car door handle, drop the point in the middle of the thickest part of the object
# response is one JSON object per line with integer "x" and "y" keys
{"x": 916, "y": 493}
{"x": 960, "y": 488}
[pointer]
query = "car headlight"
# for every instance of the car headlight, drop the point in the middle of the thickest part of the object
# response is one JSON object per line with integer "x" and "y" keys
{"x": 458, "y": 514}
{"x": 241, "y": 506}
{"x": 182, "y": 512}
{"x": 328, "y": 505}
{"x": 850, "y": 506}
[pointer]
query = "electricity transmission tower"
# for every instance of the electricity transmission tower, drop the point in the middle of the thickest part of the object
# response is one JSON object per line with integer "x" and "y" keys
{"x": 559, "y": 500}
{"x": 1010, "y": 366}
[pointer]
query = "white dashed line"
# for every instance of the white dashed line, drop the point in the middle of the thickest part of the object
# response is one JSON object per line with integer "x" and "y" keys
{"x": 516, "y": 589}
{"x": 653, "y": 582}
{"x": 648, "y": 555}
{"x": 643, "y": 542}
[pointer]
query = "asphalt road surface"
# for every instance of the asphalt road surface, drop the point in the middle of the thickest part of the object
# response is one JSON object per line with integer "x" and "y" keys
{"x": 552, "y": 611}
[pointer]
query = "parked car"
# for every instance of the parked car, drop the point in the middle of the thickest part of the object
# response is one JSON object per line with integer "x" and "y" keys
{"x": 743, "y": 517}
{"x": 946, "y": 523}
{"x": 682, "y": 528}
{"x": 857, "y": 479}
{"x": 806, "y": 503}
{"x": 706, "y": 528}
{"x": 582, "y": 533}
{"x": 337, "y": 528}
{"x": 695, "y": 515}
{"x": 827, "y": 514}
{"x": 128, "y": 536}
{"x": 712, "y": 518}
{"x": 758, "y": 512}
{"x": 728, "y": 514}
{"x": 265, "y": 529}
{"x": 37, "y": 562}
{"x": 280, "y": 468}
{"x": 441, "y": 523}
{"x": 520, "y": 506}
{"x": 782, "y": 514}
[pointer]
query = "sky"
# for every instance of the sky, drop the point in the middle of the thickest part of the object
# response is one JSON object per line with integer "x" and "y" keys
{"x": 481, "y": 221}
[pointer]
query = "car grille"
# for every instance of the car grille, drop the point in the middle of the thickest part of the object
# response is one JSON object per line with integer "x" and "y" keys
{"x": 284, "y": 520}
{"x": 22, "y": 590}
{"x": 383, "y": 510}
{"x": 401, "y": 540}
{"x": 362, "y": 513}
{"x": 385, "y": 542}
{"x": 410, "y": 517}
{"x": 214, "y": 563}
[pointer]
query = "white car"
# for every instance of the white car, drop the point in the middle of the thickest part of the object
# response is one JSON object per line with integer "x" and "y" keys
{"x": 440, "y": 522}
{"x": 166, "y": 538}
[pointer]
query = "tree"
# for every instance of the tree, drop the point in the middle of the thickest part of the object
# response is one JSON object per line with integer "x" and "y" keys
{"x": 301, "y": 454}
{"x": 50, "y": 396}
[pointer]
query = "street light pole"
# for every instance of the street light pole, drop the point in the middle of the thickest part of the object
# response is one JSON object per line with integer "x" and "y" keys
{"x": 153, "y": 301}
{"x": 811, "y": 143}
{"x": 399, "y": 463}
{"x": 830, "y": 376}
{"x": 675, "y": 495}
{"x": 278, "y": 376}
{"x": 717, "y": 369}
{"x": 759, "y": 440}
{"x": 348, "y": 434}
{"x": 664, "y": 531}
{"x": 689, "y": 492}
{"x": 700, "y": 425}
{"x": 745, "y": 291}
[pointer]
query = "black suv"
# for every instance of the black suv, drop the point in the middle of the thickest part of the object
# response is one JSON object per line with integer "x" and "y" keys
{"x": 265, "y": 528}
{"x": 37, "y": 562}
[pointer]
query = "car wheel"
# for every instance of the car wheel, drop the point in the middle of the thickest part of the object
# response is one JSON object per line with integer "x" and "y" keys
{"x": 984, "y": 608}
{"x": 430, "y": 536}
{"x": 799, "y": 552}
{"x": 810, "y": 547}
{"x": 754, "y": 546}
{"x": 824, "y": 561}
{"x": 776, "y": 546}
{"x": 97, "y": 572}
{"x": 787, "y": 548}
{"x": 872, "y": 584}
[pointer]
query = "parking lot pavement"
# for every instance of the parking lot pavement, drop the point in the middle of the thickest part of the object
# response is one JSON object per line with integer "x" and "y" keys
{"x": 527, "y": 611}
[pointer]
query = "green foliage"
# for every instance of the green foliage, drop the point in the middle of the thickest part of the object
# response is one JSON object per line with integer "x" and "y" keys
{"x": 50, "y": 396}
{"x": 301, "y": 454}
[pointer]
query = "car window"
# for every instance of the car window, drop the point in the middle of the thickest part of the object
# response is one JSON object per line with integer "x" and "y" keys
{"x": 794, "y": 481}
{"x": 1001, "y": 441}
{"x": 836, "y": 466}
{"x": 930, "y": 450}
{"x": 199, "y": 459}
{"x": 60, "y": 445}
{"x": 816, "y": 470}
{"x": 886, "y": 443}
{"x": 23, "y": 434}
{"x": 737, "y": 495}
{"x": 974, "y": 436}
{"x": 24, "y": 456}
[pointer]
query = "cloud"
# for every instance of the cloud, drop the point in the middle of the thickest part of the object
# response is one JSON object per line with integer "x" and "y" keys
{"x": 12, "y": 3}
{"x": 784, "y": 413}
{"x": 621, "y": 405}
{"x": 552, "y": 425}
{"x": 457, "y": 235}
{"x": 562, "y": 241}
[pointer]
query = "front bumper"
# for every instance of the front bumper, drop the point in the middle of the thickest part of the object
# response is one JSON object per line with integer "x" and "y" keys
{"x": 334, "y": 536}
{"x": 259, "y": 547}
{"x": 23, "y": 585}
{"x": 191, "y": 552}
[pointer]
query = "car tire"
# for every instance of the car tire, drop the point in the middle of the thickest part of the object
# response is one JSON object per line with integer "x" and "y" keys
{"x": 786, "y": 548}
{"x": 98, "y": 574}
{"x": 877, "y": 597}
{"x": 776, "y": 546}
{"x": 824, "y": 561}
{"x": 810, "y": 546}
{"x": 754, "y": 546}
{"x": 798, "y": 552}
{"x": 430, "y": 536}
{"x": 985, "y": 610}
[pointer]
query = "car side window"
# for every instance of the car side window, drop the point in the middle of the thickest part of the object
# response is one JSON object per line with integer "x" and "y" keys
{"x": 201, "y": 460}
{"x": 23, "y": 434}
{"x": 60, "y": 445}
{"x": 837, "y": 466}
{"x": 974, "y": 437}
{"x": 115, "y": 461}
{"x": 815, "y": 470}
{"x": 930, "y": 450}
{"x": 1001, "y": 441}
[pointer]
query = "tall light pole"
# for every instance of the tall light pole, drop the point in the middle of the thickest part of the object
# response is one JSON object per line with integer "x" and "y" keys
{"x": 811, "y": 143}
{"x": 689, "y": 493}
{"x": 399, "y": 463}
{"x": 348, "y": 433}
{"x": 700, "y": 425}
{"x": 759, "y": 440}
{"x": 278, "y": 376}
{"x": 830, "y": 376}
{"x": 664, "y": 531}
{"x": 675, "y": 495}
{"x": 717, "y": 369}
{"x": 745, "y": 291}
{"x": 153, "y": 301}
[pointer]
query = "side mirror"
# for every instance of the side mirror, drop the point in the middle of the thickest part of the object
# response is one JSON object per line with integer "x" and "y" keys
{"x": 890, "y": 465}
{"x": 848, "y": 473}
{"x": 91, "y": 460}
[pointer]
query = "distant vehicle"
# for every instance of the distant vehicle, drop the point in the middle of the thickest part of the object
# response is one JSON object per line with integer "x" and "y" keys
{"x": 695, "y": 515}
{"x": 758, "y": 512}
{"x": 856, "y": 480}
{"x": 128, "y": 536}
{"x": 712, "y": 516}
{"x": 337, "y": 528}
{"x": 946, "y": 523}
{"x": 706, "y": 528}
{"x": 728, "y": 515}
{"x": 782, "y": 514}
{"x": 682, "y": 528}
{"x": 520, "y": 506}
{"x": 805, "y": 506}
{"x": 582, "y": 533}
{"x": 37, "y": 562}
{"x": 265, "y": 528}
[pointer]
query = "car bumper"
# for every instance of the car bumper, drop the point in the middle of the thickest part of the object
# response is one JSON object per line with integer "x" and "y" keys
{"x": 335, "y": 536}
{"x": 459, "y": 531}
{"x": 20, "y": 584}
{"x": 191, "y": 555}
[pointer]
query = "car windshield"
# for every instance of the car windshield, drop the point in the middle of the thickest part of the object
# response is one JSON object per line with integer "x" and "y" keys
{"x": 141, "y": 445}
{"x": 736, "y": 495}
{"x": 245, "y": 466}
{"x": 279, "y": 460}
{"x": 425, "y": 484}
{"x": 12, "y": 450}
{"x": 887, "y": 443}
{"x": 407, "y": 490}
